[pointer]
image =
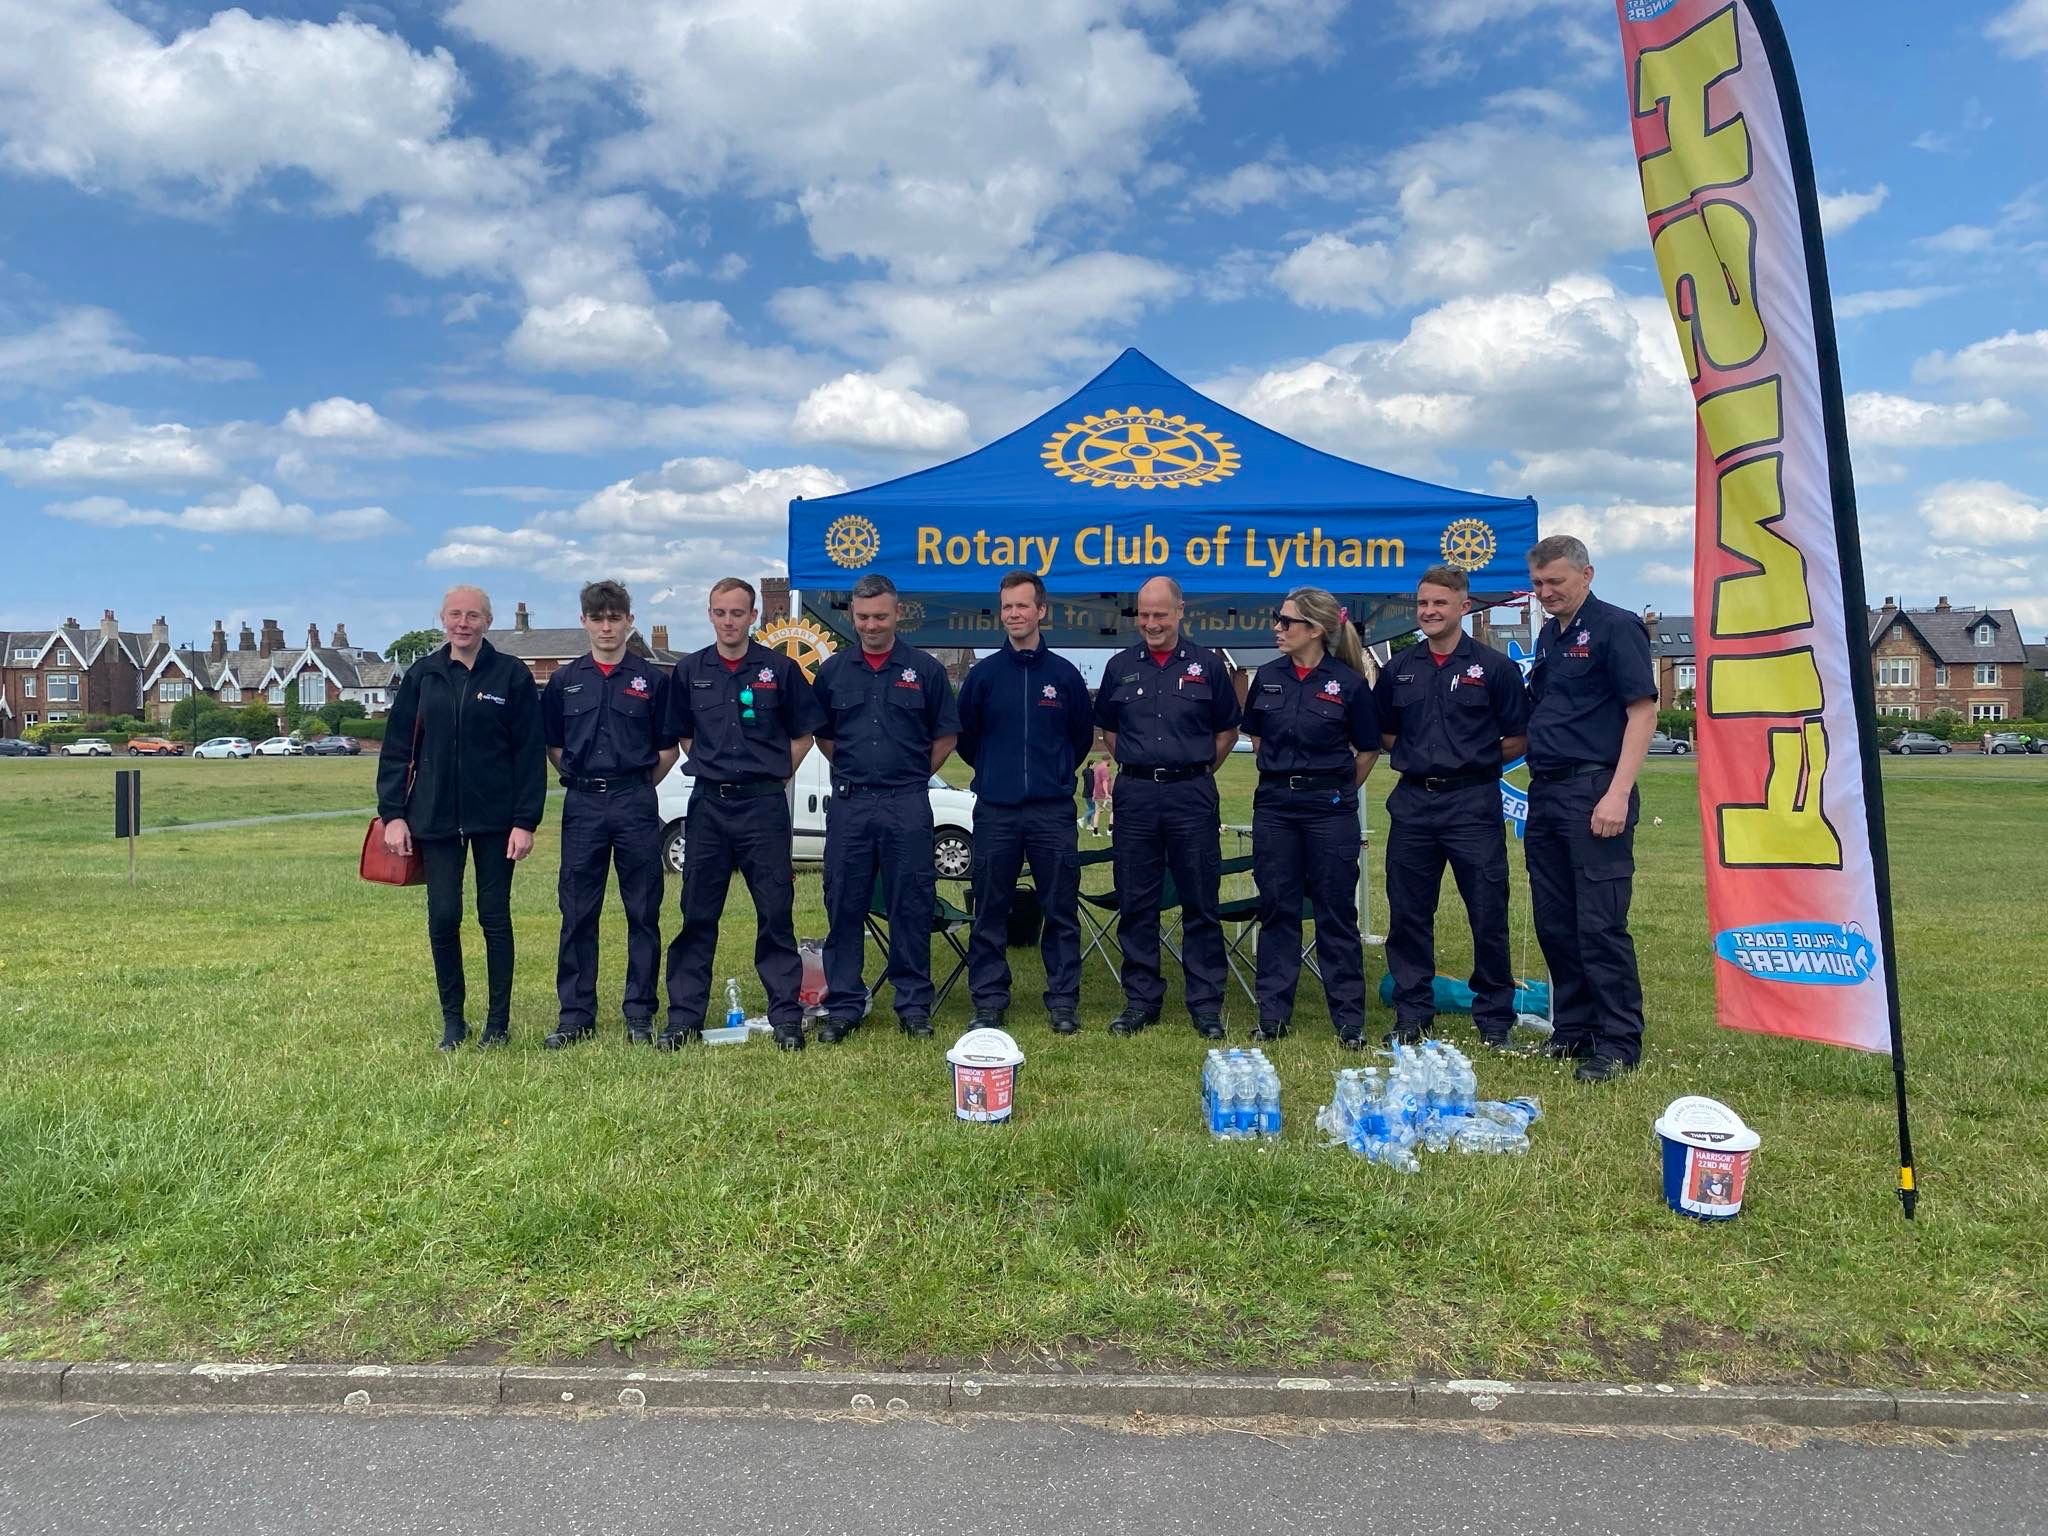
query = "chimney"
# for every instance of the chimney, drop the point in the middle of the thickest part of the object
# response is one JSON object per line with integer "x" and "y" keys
{"x": 658, "y": 637}
{"x": 110, "y": 628}
{"x": 247, "y": 640}
{"x": 520, "y": 623}
{"x": 774, "y": 599}
{"x": 217, "y": 647}
{"x": 273, "y": 637}
{"x": 159, "y": 632}
{"x": 313, "y": 636}
{"x": 1941, "y": 605}
{"x": 341, "y": 637}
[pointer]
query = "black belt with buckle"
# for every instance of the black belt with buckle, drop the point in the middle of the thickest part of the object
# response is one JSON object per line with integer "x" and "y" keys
{"x": 738, "y": 789}
{"x": 1306, "y": 780}
{"x": 1440, "y": 783}
{"x": 609, "y": 785}
{"x": 1576, "y": 771}
{"x": 841, "y": 787}
{"x": 1164, "y": 775}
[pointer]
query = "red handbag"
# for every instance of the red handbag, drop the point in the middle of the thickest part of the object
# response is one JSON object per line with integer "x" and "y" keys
{"x": 380, "y": 865}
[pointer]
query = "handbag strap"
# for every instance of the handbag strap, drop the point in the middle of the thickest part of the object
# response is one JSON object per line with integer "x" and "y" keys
{"x": 412, "y": 765}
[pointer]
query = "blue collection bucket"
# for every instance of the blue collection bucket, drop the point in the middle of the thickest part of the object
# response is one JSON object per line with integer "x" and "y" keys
{"x": 1706, "y": 1149}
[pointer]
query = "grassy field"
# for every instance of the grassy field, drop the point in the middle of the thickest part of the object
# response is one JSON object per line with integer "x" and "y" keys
{"x": 224, "y": 1132}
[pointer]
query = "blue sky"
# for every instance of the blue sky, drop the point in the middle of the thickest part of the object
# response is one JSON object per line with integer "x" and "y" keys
{"x": 305, "y": 314}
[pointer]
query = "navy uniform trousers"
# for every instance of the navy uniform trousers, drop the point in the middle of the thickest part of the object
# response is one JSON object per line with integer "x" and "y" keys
{"x": 750, "y": 834}
{"x": 1305, "y": 846}
{"x": 888, "y": 833}
{"x": 1461, "y": 827}
{"x": 1005, "y": 837}
{"x": 620, "y": 828}
{"x": 1581, "y": 886}
{"x": 1162, "y": 828}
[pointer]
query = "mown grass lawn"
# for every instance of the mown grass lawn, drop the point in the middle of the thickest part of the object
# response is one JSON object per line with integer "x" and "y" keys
{"x": 224, "y": 1132}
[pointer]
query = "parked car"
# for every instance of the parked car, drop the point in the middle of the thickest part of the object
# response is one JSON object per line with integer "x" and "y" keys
{"x": 1675, "y": 746}
{"x": 334, "y": 746}
{"x": 2002, "y": 742}
{"x": 280, "y": 746}
{"x": 1909, "y": 742}
{"x": 224, "y": 746}
{"x": 11, "y": 747}
{"x": 952, "y": 819}
{"x": 155, "y": 746}
{"x": 87, "y": 746}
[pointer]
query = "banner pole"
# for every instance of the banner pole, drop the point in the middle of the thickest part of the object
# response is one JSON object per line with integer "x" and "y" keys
{"x": 1848, "y": 543}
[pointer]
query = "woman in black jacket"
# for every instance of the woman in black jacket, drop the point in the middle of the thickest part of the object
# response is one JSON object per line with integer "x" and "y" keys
{"x": 465, "y": 731}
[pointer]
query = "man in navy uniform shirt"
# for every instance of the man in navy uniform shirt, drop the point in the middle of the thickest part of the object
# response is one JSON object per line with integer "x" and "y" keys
{"x": 604, "y": 718}
{"x": 1594, "y": 706}
{"x": 1026, "y": 723}
{"x": 1453, "y": 712}
{"x": 1171, "y": 719}
{"x": 889, "y": 723}
{"x": 746, "y": 716}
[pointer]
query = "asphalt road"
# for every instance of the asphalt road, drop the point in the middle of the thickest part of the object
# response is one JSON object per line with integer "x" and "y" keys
{"x": 227, "y": 1474}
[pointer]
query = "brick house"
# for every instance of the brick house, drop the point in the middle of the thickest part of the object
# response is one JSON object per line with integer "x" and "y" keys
{"x": 68, "y": 672}
{"x": 1970, "y": 660}
{"x": 319, "y": 675}
{"x": 1671, "y": 654}
{"x": 545, "y": 651}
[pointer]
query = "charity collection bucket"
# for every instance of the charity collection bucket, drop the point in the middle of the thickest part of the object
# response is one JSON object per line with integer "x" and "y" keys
{"x": 985, "y": 1065}
{"x": 1706, "y": 1150}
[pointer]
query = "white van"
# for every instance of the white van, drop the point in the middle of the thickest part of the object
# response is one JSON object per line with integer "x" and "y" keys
{"x": 952, "y": 818}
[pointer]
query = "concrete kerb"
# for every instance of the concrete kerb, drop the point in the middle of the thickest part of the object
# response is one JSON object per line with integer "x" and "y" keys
{"x": 1074, "y": 1395}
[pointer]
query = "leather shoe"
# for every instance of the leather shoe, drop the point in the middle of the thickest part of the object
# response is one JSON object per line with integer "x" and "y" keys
{"x": 1209, "y": 1026}
{"x": 1352, "y": 1042}
{"x": 789, "y": 1037}
{"x": 1270, "y": 1030}
{"x": 1601, "y": 1069}
{"x": 986, "y": 1018}
{"x": 494, "y": 1037}
{"x": 1131, "y": 1020}
{"x": 676, "y": 1039}
{"x": 1066, "y": 1021}
{"x": 452, "y": 1036}
{"x": 915, "y": 1025}
{"x": 639, "y": 1032}
{"x": 833, "y": 1031}
{"x": 1567, "y": 1050}
{"x": 567, "y": 1035}
{"x": 1406, "y": 1034}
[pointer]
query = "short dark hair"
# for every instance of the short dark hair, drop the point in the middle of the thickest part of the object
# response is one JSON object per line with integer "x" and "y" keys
{"x": 1560, "y": 546}
{"x": 599, "y": 598}
{"x": 1022, "y": 579}
{"x": 1448, "y": 576}
{"x": 874, "y": 584}
{"x": 734, "y": 584}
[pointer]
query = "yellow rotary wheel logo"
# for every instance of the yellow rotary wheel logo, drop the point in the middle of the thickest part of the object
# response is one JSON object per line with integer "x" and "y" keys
{"x": 1468, "y": 544}
{"x": 1137, "y": 447}
{"x": 852, "y": 541}
{"x": 910, "y": 618}
{"x": 799, "y": 639}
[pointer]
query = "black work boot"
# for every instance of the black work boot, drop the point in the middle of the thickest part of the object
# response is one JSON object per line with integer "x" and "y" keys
{"x": 453, "y": 1033}
{"x": 674, "y": 1039}
{"x": 639, "y": 1031}
{"x": 567, "y": 1035}
{"x": 789, "y": 1037}
{"x": 986, "y": 1018}
{"x": 1270, "y": 1030}
{"x": 1066, "y": 1021}
{"x": 1209, "y": 1025}
{"x": 915, "y": 1025}
{"x": 494, "y": 1036}
{"x": 1132, "y": 1019}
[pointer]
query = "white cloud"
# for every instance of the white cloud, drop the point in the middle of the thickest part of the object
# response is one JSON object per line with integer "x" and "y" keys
{"x": 2021, "y": 29}
{"x": 1958, "y": 240}
{"x": 586, "y": 334}
{"x": 336, "y": 418}
{"x": 1840, "y": 211}
{"x": 1262, "y": 32}
{"x": 1879, "y": 301}
{"x": 1332, "y": 273}
{"x": 1623, "y": 528}
{"x": 1879, "y": 420}
{"x": 864, "y": 410}
{"x": 1276, "y": 179}
{"x": 86, "y": 342}
{"x": 115, "y": 451}
{"x": 256, "y": 509}
{"x": 700, "y": 495}
{"x": 1589, "y": 475}
{"x": 2015, "y": 361}
{"x": 1984, "y": 512}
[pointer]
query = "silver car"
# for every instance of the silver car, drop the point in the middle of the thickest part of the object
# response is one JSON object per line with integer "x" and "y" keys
{"x": 224, "y": 746}
{"x": 1672, "y": 746}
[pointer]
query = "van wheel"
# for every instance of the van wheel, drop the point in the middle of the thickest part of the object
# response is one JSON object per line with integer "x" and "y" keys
{"x": 672, "y": 849}
{"x": 952, "y": 854}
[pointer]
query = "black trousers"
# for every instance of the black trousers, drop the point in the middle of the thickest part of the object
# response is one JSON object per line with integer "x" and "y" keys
{"x": 1305, "y": 848}
{"x": 752, "y": 837}
{"x": 887, "y": 835}
{"x": 619, "y": 829}
{"x": 1162, "y": 829}
{"x": 1462, "y": 828}
{"x": 444, "y": 858}
{"x": 1581, "y": 886}
{"x": 1005, "y": 837}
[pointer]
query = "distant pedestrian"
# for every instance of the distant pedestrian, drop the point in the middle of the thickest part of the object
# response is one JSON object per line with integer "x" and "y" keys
{"x": 1105, "y": 783}
{"x": 478, "y": 785}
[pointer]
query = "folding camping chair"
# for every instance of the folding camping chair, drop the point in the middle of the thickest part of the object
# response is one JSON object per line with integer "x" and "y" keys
{"x": 1242, "y": 956}
{"x": 948, "y": 922}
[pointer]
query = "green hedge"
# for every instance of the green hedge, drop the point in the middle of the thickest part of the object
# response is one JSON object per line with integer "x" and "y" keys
{"x": 364, "y": 730}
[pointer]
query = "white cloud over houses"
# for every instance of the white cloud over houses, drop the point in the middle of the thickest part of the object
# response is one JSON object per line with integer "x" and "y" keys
{"x": 1623, "y": 527}
{"x": 868, "y": 410}
{"x": 256, "y": 509}
{"x": 113, "y": 450}
{"x": 1986, "y": 513}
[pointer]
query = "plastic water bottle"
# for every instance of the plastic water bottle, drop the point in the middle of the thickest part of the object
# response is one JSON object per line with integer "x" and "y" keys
{"x": 1269, "y": 1100}
{"x": 1462, "y": 1092}
{"x": 1515, "y": 1114}
{"x": 735, "y": 1015}
{"x": 1216, "y": 1110}
{"x": 1245, "y": 1099}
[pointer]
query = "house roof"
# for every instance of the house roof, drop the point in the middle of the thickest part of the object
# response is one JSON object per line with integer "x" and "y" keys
{"x": 1671, "y": 635}
{"x": 1949, "y": 633}
{"x": 2037, "y": 658}
{"x": 531, "y": 645}
{"x": 248, "y": 668}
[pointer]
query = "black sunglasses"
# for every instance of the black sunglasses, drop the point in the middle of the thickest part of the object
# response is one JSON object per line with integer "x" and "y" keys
{"x": 1288, "y": 621}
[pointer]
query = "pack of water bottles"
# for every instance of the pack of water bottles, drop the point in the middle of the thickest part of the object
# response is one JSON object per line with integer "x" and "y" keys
{"x": 1426, "y": 1099}
{"x": 1240, "y": 1095}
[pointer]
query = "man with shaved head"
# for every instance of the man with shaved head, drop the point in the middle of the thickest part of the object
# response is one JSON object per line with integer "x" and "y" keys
{"x": 1171, "y": 718}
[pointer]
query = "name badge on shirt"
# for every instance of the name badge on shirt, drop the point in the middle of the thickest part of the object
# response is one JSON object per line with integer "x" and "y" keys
{"x": 573, "y": 688}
